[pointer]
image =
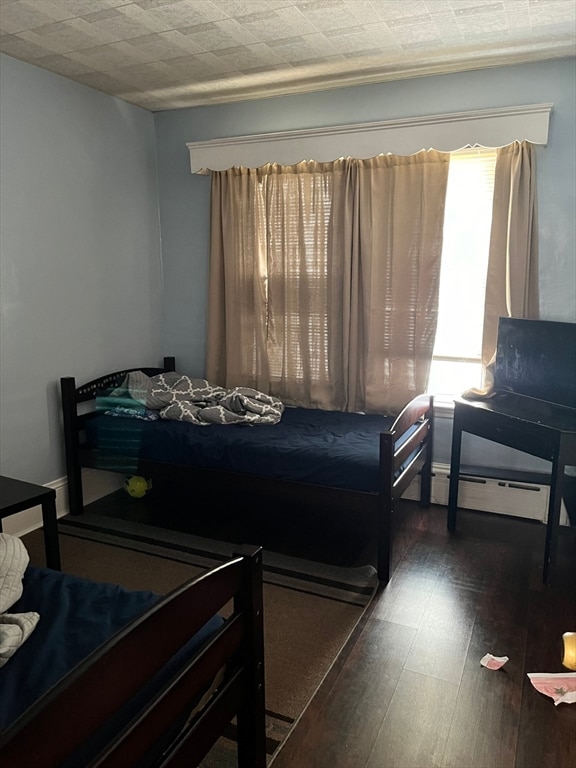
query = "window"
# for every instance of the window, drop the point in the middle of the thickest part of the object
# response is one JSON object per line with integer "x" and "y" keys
{"x": 456, "y": 364}
{"x": 323, "y": 303}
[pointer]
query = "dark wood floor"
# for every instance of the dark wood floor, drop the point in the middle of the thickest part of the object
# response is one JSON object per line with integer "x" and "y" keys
{"x": 409, "y": 691}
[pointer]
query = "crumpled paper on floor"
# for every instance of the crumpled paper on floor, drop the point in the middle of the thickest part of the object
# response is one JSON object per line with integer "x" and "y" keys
{"x": 561, "y": 687}
{"x": 493, "y": 662}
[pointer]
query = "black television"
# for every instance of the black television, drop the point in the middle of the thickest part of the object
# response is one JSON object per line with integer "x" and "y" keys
{"x": 537, "y": 358}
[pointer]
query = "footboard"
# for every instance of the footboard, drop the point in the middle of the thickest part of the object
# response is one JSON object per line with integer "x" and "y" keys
{"x": 405, "y": 452}
{"x": 82, "y": 720}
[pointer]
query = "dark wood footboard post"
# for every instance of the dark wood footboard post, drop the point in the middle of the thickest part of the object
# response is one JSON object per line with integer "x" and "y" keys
{"x": 426, "y": 473}
{"x": 71, "y": 446}
{"x": 251, "y": 719}
{"x": 384, "y": 513}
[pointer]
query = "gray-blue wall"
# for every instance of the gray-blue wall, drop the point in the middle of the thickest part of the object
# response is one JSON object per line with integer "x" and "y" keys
{"x": 83, "y": 288}
{"x": 80, "y": 263}
{"x": 184, "y": 198}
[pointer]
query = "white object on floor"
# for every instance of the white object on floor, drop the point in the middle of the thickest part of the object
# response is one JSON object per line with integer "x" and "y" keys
{"x": 493, "y": 662}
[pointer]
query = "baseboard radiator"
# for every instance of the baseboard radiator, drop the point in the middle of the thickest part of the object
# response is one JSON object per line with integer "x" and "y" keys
{"x": 505, "y": 497}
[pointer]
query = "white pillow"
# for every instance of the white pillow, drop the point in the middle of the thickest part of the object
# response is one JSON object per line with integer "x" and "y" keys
{"x": 13, "y": 561}
{"x": 15, "y": 628}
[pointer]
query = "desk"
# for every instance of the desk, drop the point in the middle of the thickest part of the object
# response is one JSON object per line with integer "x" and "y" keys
{"x": 16, "y": 496}
{"x": 534, "y": 426}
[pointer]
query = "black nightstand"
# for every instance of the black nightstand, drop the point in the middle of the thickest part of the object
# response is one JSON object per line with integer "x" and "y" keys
{"x": 16, "y": 496}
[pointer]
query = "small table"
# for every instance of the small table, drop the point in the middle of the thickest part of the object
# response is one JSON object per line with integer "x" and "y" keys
{"x": 16, "y": 496}
{"x": 528, "y": 424}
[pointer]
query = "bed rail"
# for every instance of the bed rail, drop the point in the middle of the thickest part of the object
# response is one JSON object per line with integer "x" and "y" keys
{"x": 66, "y": 718}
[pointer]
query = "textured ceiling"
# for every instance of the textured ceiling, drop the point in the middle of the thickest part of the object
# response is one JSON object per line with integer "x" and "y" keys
{"x": 169, "y": 54}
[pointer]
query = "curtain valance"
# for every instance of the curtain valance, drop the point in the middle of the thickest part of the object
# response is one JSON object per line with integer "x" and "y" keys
{"x": 446, "y": 133}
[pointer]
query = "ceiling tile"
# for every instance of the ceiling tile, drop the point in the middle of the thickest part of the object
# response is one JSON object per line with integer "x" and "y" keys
{"x": 168, "y": 54}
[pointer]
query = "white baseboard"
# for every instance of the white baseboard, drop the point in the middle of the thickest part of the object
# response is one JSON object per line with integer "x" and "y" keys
{"x": 505, "y": 497}
{"x": 30, "y": 519}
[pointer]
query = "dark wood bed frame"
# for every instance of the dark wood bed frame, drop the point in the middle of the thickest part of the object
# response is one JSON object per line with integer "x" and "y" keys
{"x": 65, "y": 718}
{"x": 400, "y": 462}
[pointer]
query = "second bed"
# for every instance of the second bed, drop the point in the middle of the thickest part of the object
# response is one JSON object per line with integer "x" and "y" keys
{"x": 311, "y": 458}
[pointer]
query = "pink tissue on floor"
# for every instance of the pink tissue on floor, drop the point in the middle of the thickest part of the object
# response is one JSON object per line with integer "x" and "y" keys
{"x": 561, "y": 687}
{"x": 493, "y": 662}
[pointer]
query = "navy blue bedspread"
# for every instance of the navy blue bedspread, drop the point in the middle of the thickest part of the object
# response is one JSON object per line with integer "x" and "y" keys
{"x": 330, "y": 448}
{"x": 76, "y": 617}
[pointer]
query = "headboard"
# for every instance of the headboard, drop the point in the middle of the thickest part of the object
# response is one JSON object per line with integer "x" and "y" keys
{"x": 73, "y": 421}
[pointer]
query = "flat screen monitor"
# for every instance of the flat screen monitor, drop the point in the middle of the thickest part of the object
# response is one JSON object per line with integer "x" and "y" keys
{"x": 537, "y": 358}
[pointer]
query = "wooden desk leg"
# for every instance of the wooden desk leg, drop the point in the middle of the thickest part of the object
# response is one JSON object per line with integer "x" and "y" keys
{"x": 553, "y": 520}
{"x": 50, "y": 524}
{"x": 454, "y": 474}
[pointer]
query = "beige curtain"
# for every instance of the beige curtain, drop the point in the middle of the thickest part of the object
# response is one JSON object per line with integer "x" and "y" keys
{"x": 268, "y": 294}
{"x": 395, "y": 210}
{"x": 512, "y": 278}
{"x": 324, "y": 279}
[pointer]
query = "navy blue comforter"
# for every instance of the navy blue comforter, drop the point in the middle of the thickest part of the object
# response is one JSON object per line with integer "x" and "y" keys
{"x": 329, "y": 448}
{"x": 76, "y": 617}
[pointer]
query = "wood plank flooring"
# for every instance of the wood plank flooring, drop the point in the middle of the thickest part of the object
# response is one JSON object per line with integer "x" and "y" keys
{"x": 409, "y": 690}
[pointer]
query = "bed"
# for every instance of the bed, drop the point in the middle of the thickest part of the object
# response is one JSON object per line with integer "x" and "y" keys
{"x": 128, "y": 678}
{"x": 311, "y": 459}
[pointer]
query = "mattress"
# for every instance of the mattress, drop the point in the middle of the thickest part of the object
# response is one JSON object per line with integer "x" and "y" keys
{"x": 330, "y": 448}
